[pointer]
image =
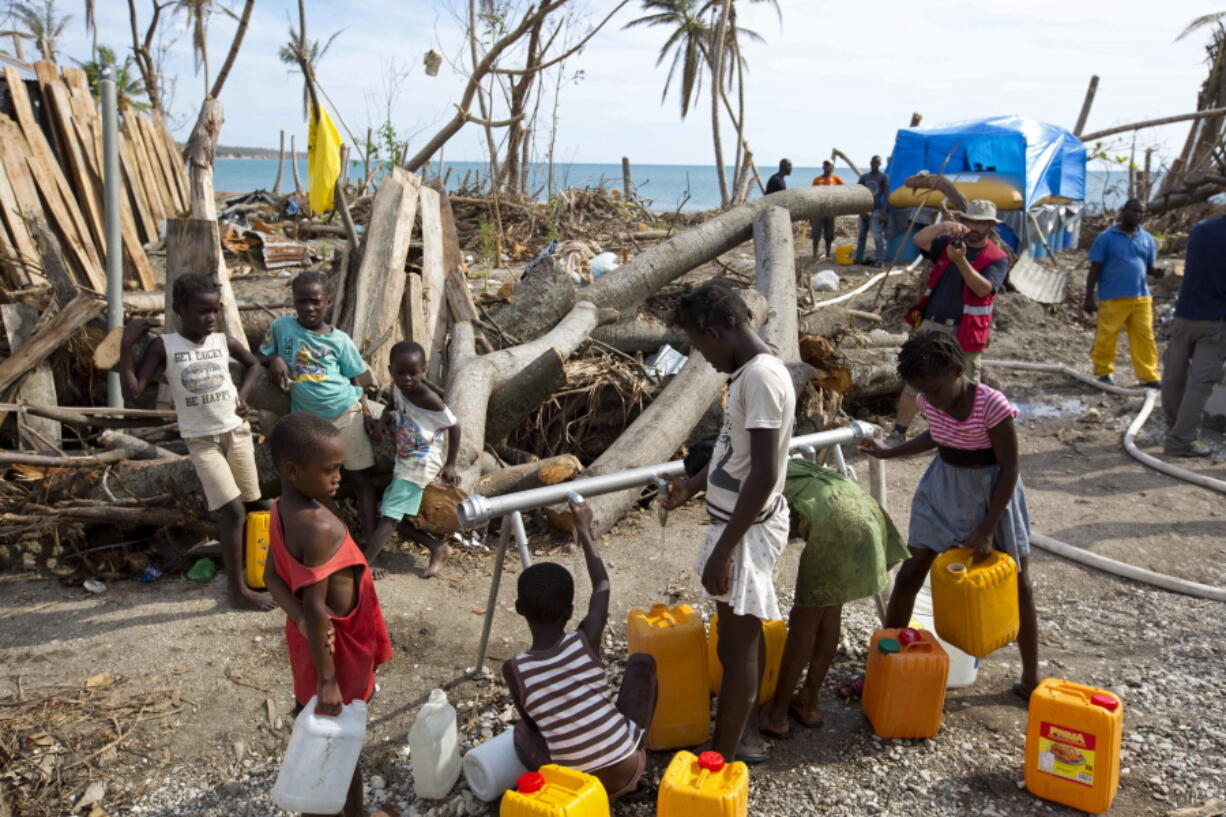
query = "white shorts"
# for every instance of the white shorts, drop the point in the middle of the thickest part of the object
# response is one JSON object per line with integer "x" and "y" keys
{"x": 359, "y": 455}
{"x": 225, "y": 464}
{"x": 751, "y": 579}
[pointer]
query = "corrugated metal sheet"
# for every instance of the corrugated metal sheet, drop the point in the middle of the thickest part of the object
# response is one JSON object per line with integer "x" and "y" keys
{"x": 1039, "y": 281}
{"x": 278, "y": 252}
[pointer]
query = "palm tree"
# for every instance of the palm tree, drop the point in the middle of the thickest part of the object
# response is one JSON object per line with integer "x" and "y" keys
{"x": 1215, "y": 20}
{"x": 687, "y": 44}
{"x": 43, "y": 24}
{"x": 128, "y": 86}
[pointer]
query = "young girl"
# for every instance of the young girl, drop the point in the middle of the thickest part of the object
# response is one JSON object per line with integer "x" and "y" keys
{"x": 971, "y": 495}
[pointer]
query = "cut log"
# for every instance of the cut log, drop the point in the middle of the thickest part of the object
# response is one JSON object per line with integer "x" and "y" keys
{"x": 136, "y": 448}
{"x": 50, "y": 335}
{"x": 551, "y": 471}
{"x": 514, "y": 401}
{"x": 37, "y": 387}
{"x": 433, "y": 334}
{"x": 151, "y": 516}
{"x": 177, "y": 477}
{"x": 438, "y": 513}
{"x": 543, "y": 294}
{"x": 776, "y": 279}
{"x": 639, "y": 335}
{"x": 192, "y": 245}
{"x": 381, "y": 278}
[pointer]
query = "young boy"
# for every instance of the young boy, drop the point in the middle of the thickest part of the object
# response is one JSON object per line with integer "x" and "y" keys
{"x": 321, "y": 368}
{"x": 212, "y": 415}
{"x": 318, "y": 576}
{"x": 744, "y": 493}
{"x": 560, "y": 687}
{"x": 420, "y": 421}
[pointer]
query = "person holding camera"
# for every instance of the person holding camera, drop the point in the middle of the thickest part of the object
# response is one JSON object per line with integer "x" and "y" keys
{"x": 957, "y": 304}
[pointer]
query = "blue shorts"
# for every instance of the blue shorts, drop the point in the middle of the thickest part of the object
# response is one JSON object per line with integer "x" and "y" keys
{"x": 402, "y": 498}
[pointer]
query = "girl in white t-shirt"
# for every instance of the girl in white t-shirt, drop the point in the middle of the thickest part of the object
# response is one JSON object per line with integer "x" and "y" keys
{"x": 427, "y": 438}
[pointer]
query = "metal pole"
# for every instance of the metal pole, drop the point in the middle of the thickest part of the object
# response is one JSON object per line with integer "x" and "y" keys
{"x": 492, "y": 603}
{"x": 516, "y": 521}
{"x": 111, "y": 183}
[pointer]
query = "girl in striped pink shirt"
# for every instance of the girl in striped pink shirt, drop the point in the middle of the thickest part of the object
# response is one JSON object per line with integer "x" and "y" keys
{"x": 971, "y": 495}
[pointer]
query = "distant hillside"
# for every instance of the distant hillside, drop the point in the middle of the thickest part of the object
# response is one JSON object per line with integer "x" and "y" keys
{"x": 225, "y": 152}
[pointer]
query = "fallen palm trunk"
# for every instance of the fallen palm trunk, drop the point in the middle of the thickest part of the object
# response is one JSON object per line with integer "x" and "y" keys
{"x": 513, "y": 402}
{"x": 529, "y": 475}
{"x": 640, "y": 336}
{"x": 138, "y": 449}
{"x": 540, "y": 298}
{"x": 154, "y": 516}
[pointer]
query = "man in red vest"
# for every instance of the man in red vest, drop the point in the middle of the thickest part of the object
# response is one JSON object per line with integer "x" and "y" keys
{"x": 967, "y": 272}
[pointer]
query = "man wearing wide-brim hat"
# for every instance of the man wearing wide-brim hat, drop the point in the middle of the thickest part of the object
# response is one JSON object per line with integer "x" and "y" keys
{"x": 967, "y": 272}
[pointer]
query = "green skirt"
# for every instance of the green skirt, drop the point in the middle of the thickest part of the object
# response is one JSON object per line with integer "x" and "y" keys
{"x": 850, "y": 541}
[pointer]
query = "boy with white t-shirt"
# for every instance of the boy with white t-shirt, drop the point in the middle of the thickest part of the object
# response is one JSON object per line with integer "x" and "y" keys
{"x": 744, "y": 495}
{"x": 212, "y": 415}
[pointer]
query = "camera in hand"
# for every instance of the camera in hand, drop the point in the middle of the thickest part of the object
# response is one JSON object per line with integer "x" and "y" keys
{"x": 957, "y": 242}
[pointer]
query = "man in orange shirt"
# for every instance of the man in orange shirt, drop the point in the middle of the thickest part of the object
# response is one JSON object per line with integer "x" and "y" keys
{"x": 824, "y": 227}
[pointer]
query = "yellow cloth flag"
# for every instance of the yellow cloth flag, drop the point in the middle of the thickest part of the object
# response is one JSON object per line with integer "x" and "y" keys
{"x": 323, "y": 160}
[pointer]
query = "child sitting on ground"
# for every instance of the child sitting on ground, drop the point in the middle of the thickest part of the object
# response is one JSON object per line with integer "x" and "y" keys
{"x": 560, "y": 687}
{"x": 319, "y": 365}
{"x": 971, "y": 495}
{"x": 212, "y": 415}
{"x": 748, "y": 527}
{"x": 334, "y": 628}
{"x": 421, "y": 423}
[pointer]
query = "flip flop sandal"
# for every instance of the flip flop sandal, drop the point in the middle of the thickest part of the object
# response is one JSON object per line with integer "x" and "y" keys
{"x": 1020, "y": 691}
{"x": 807, "y": 724}
{"x": 773, "y": 735}
{"x": 751, "y": 758}
{"x": 851, "y": 690}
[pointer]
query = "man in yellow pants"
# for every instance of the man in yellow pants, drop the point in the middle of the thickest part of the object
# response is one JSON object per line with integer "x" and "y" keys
{"x": 1120, "y": 259}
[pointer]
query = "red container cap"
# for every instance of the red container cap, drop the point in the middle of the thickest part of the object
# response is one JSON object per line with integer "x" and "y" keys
{"x": 530, "y": 782}
{"x": 1107, "y": 702}
{"x": 711, "y": 761}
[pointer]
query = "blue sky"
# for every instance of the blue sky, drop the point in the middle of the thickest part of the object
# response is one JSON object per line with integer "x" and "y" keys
{"x": 835, "y": 74}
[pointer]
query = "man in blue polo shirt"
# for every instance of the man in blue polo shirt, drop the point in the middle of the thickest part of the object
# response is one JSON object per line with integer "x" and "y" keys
{"x": 1120, "y": 258}
{"x": 1195, "y": 359}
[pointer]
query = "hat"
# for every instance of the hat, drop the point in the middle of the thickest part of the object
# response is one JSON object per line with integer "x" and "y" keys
{"x": 980, "y": 210}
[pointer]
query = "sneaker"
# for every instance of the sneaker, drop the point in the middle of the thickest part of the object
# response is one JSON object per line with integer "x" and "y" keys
{"x": 1107, "y": 379}
{"x": 1196, "y": 449}
{"x": 1151, "y": 384}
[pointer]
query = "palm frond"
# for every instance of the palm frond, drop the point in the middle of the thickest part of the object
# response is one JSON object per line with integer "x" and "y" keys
{"x": 1203, "y": 21}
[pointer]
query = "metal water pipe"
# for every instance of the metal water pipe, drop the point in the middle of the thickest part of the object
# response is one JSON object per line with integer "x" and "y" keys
{"x": 111, "y": 186}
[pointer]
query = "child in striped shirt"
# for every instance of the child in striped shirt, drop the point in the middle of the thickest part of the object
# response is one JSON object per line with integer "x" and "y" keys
{"x": 567, "y": 713}
{"x": 971, "y": 495}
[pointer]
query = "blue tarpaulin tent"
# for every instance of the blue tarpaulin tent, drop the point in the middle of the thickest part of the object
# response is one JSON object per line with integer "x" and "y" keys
{"x": 1049, "y": 160}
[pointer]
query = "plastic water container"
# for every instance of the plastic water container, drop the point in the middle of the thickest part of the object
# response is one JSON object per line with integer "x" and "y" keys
{"x": 904, "y": 685}
{"x": 492, "y": 767}
{"x": 844, "y": 255}
{"x": 963, "y": 667}
{"x": 255, "y": 551}
{"x": 974, "y": 605}
{"x": 776, "y": 635}
{"x": 1073, "y": 745}
{"x": 435, "y": 748}
{"x": 677, "y": 640}
{"x": 703, "y": 786}
{"x": 556, "y": 791}
{"x": 319, "y": 762}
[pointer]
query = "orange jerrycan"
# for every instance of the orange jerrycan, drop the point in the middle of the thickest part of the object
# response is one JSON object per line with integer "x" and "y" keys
{"x": 1073, "y": 744}
{"x": 255, "y": 550}
{"x": 555, "y": 791}
{"x": 776, "y": 635}
{"x": 676, "y": 639}
{"x": 703, "y": 786}
{"x": 904, "y": 683}
{"x": 974, "y": 606}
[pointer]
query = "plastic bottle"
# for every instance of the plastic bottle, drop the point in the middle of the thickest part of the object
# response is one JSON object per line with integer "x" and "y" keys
{"x": 963, "y": 667}
{"x": 904, "y": 685}
{"x": 555, "y": 791}
{"x": 319, "y": 761}
{"x": 435, "y": 748}
{"x": 974, "y": 604}
{"x": 492, "y": 767}
{"x": 1073, "y": 739}
{"x": 703, "y": 786}
{"x": 677, "y": 640}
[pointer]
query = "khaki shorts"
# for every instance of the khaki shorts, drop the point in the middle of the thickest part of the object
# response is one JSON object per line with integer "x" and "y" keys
{"x": 225, "y": 464}
{"x": 359, "y": 455}
{"x": 974, "y": 360}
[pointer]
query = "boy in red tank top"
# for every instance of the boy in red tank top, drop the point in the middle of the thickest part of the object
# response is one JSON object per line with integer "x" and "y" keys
{"x": 318, "y": 575}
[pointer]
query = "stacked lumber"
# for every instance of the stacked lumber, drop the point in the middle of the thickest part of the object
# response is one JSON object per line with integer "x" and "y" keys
{"x": 52, "y": 171}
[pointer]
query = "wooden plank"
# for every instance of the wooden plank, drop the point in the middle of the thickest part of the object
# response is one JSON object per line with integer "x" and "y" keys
{"x": 45, "y": 71}
{"x": 192, "y": 245}
{"x": 381, "y": 277}
{"x": 38, "y": 387}
{"x": 433, "y": 282}
{"x": 53, "y": 185}
{"x": 460, "y": 301}
{"x": 49, "y": 336}
{"x": 178, "y": 166}
{"x": 143, "y": 174}
{"x": 134, "y": 189}
{"x": 12, "y": 270}
{"x": 162, "y": 171}
{"x": 18, "y": 233}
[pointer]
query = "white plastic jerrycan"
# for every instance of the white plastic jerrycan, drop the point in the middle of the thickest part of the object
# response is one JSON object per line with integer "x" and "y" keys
{"x": 963, "y": 668}
{"x": 319, "y": 762}
{"x": 493, "y": 767}
{"x": 435, "y": 748}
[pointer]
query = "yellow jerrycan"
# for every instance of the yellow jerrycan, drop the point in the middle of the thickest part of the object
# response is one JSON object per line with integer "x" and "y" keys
{"x": 1073, "y": 744}
{"x": 255, "y": 549}
{"x": 904, "y": 683}
{"x": 844, "y": 255}
{"x": 703, "y": 786}
{"x": 974, "y": 605}
{"x": 555, "y": 791}
{"x": 776, "y": 635}
{"x": 676, "y": 638}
